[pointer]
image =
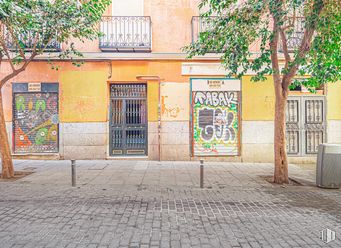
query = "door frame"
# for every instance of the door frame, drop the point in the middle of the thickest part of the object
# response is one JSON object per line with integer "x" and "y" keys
{"x": 191, "y": 118}
{"x": 23, "y": 88}
{"x": 302, "y": 143}
{"x": 110, "y": 129}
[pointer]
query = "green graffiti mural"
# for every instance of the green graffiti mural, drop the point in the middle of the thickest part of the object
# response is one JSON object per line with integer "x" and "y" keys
{"x": 40, "y": 105}
{"x": 35, "y": 122}
{"x": 20, "y": 103}
{"x": 41, "y": 136}
{"x": 215, "y": 123}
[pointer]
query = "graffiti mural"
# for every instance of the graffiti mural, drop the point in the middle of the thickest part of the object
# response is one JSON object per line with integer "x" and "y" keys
{"x": 35, "y": 122}
{"x": 215, "y": 123}
{"x": 169, "y": 111}
{"x": 174, "y": 106}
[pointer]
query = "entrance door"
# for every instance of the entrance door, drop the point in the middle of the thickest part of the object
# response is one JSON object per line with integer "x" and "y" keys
{"x": 128, "y": 119}
{"x": 306, "y": 125}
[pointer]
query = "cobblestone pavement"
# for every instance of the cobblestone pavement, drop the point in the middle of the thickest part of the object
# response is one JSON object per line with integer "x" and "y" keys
{"x": 151, "y": 204}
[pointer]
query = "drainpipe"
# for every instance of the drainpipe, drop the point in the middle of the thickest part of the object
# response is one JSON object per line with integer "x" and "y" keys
{"x": 158, "y": 79}
{"x": 159, "y": 119}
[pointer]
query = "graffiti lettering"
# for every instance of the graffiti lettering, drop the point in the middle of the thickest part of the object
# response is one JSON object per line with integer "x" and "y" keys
{"x": 215, "y": 127}
{"x": 230, "y": 133}
{"x": 206, "y": 123}
{"x": 169, "y": 111}
{"x": 215, "y": 98}
{"x": 36, "y": 122}
{"x": 216, "y": 123}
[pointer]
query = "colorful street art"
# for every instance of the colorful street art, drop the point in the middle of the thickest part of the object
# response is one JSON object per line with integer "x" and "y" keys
{"x": 35, "y": 122}
{"x": 215, "y": 123}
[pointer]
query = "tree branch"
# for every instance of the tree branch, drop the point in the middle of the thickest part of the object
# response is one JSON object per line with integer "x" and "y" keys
{"x": 1, "y": 57}
{"x": 14, "y": 38}
{"x": 5, "y": 49}
{"x": 17, "y": 71}
{"x": 34, "y": 53}
{"x": 285, "y": 48}
{"x": 292, "y": 23}
{"x": 305, "y": 43}
{"x": 274, "y": 50}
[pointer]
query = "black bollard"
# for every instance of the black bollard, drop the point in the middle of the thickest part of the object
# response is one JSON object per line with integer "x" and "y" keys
{"x": 201, "y": 173}
{"x": 73, "y": 172}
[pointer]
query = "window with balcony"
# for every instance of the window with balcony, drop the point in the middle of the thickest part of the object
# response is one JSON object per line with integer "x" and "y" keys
{"x": 294, "y": 34}
{"x": 27, "y": 42}
{"x": 200, "y": 25}
{"x": 126, "y": 30}
{"x": 126, "y": 34}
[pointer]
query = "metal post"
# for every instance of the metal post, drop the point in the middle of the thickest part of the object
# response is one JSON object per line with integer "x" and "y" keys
{"x": 201, "y": 173}
{"x": 73, "y": 172}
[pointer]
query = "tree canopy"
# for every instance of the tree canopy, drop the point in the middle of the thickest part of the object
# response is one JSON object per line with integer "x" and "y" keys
{"x": 29, "y": 28}
{"x": 235, "y": 26}
{"x": 292, "y": 38}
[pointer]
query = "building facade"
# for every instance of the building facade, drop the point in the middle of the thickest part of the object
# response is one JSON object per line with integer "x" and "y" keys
{"x": 138, "y": 97}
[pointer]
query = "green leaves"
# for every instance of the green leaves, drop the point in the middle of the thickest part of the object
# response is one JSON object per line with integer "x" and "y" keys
{"x": 324, "y": 57}
{"x": 233, "y": 31}
{"x": 243, "y": 30}
{"x": 35, "y": 24}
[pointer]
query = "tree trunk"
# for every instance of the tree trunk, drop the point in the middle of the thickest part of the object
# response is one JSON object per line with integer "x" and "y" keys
{"x": 281, "y": 160}
{"x": 5, "y": 151}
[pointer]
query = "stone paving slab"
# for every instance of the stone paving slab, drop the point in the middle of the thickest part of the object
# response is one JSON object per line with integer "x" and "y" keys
{"x": 152, "y": 204}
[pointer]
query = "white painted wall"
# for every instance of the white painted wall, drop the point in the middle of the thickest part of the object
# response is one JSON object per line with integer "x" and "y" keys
{"x": 334, "y": 131}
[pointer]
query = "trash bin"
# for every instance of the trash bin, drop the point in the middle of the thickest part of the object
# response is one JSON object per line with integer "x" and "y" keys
{"x": 328, "y": 168}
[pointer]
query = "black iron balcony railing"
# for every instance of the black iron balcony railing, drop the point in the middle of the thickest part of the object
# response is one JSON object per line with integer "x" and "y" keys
{"x": 201, "y": 24}
{"x": 27, "y": 42}
{"x": 126, "y": 34}
{"x": 294, "y": 38}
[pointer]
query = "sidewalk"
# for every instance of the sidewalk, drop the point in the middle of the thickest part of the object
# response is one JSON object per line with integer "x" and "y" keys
{"x": 160, "y": 204}
{"x": 161, "y": 174}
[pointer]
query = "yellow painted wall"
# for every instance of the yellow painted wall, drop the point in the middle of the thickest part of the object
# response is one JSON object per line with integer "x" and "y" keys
{"x": 167, "y": 70}
{"x": 83, "y": 96}
{"x": 334, "y": 101}
{"x": 84, "y": 91}
{"x": 153, "y": 100}
{"x": 258, "y": 101}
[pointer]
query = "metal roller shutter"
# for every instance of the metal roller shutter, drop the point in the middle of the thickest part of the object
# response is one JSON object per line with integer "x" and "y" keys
{"x": 35, "y": 119}
{"x": 215, "y": 123}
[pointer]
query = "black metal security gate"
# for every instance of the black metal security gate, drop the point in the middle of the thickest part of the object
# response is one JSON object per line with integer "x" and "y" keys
{"x": 128, "y": 119}
{"x": 306, "y": 124}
